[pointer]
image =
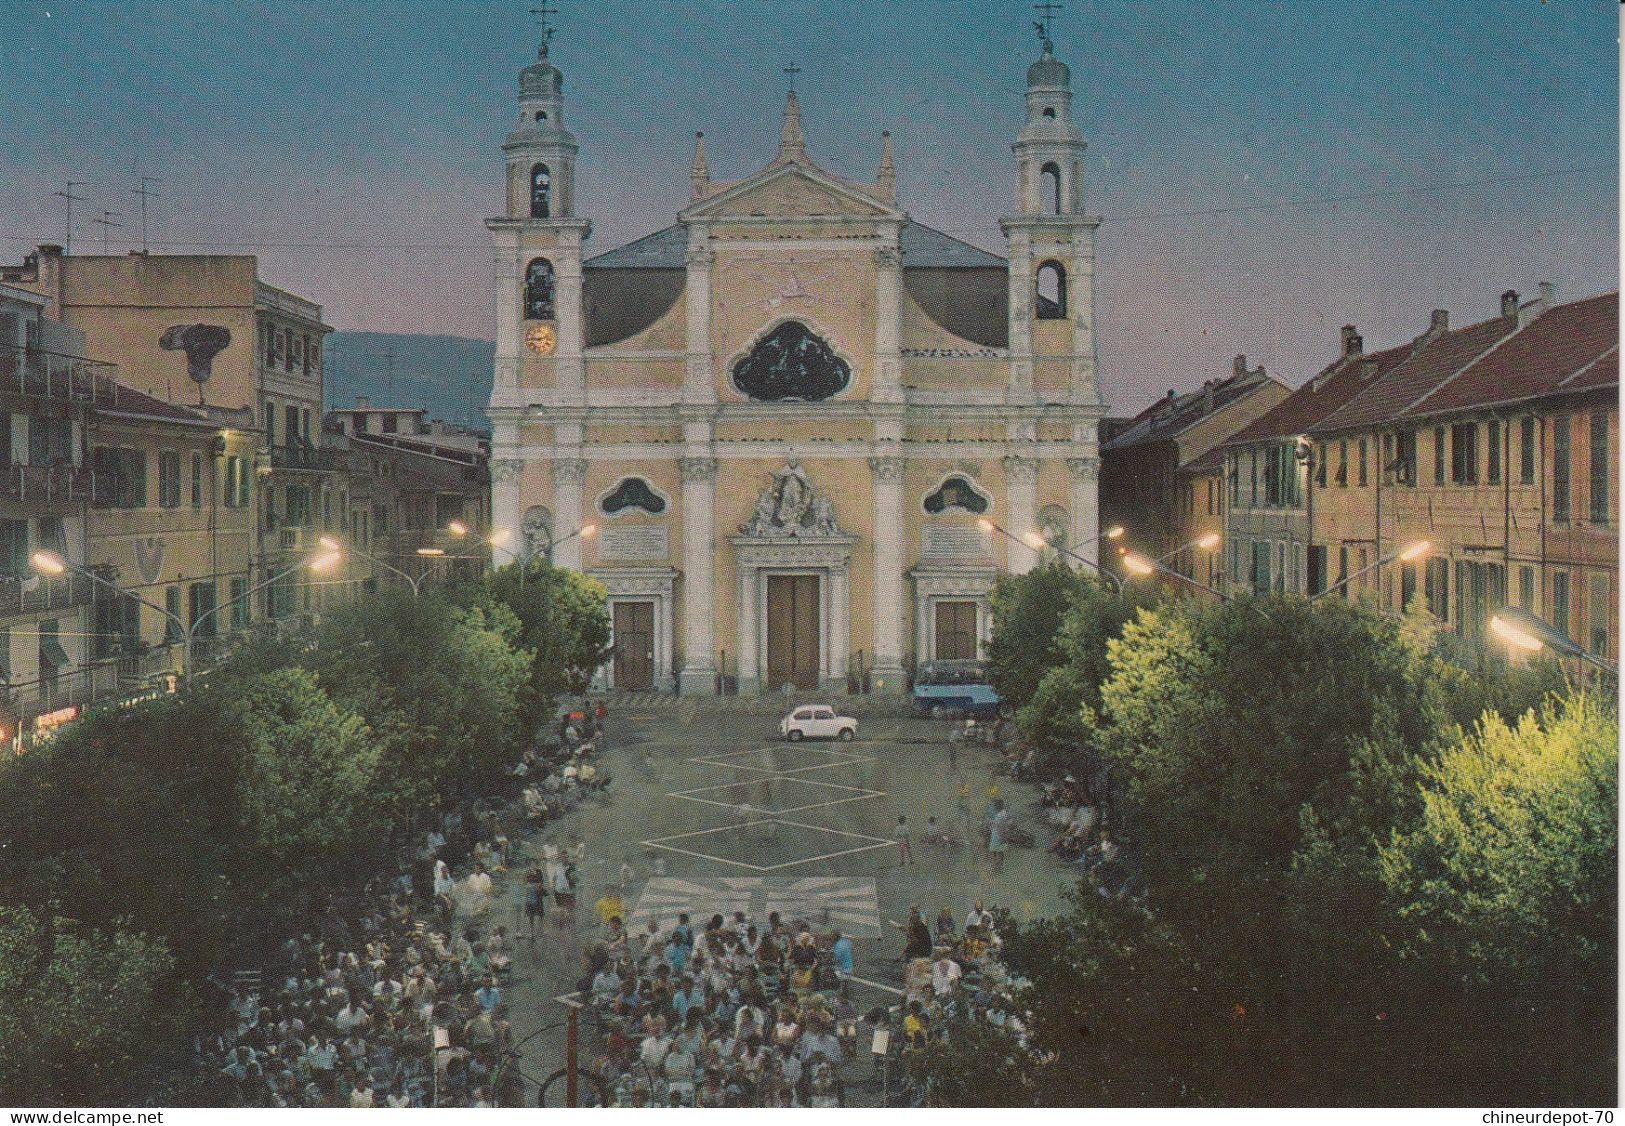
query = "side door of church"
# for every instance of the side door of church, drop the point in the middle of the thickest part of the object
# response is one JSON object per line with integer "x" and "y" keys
{"x": 956, "y": 631}
{"x": 634, "y": 632}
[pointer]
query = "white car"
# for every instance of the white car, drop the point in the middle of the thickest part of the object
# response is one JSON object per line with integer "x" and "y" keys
{"x": 816, "y": 721}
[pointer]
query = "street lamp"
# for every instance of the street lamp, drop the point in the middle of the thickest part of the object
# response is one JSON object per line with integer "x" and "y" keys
{"x": 1037, "y": 541}
{"x": 50, "y": 563}
{"x": 1136, "y": 564}
{"x": 1520, "y": 629}
{"x": 1408, "y": 554}
{"x": 1206, "y": 542}
{"x": 416, "y": 583}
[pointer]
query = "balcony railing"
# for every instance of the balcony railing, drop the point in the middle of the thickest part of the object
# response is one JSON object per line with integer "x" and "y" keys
{"x": 53, "y": 375}
{"x": 302, "y": 455}
{"x": 27, "y": 594}
{"x": 47, "y": 482}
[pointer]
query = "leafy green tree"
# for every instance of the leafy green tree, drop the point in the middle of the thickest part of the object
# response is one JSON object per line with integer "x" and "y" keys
{"x": 86, "y": 1016}
{"x": 308, "y": 784}
{"x": 974, "y": 1063}
{"x": 439, "y": 684}
{"x": 563, "y": 622}
{"x": 1027, "y": 614}
{"x": 1068, "y": 693}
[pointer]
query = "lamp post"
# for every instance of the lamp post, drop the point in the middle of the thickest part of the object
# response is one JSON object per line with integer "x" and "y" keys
{"x": 50, "y": 563}
{"x": 1136, "y": 564}
{"x": 1038, "y": 542}
{"x": 1521, "y": 630}
{"x": 416, "y": 582}
{"x": 1408, "y": 554}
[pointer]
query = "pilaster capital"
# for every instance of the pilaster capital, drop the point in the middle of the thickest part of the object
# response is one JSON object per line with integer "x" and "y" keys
{"x": 888, "y": 257}
{"x": 569, "y": 470}
{"x": 700, "y": 256}
{"x": 698, "y": 468}
{"x": 1019, "y": 469}
{"x": 886, "y": 468}
{"x": 1084, "y": 469}
{"x": 506, "y": 470}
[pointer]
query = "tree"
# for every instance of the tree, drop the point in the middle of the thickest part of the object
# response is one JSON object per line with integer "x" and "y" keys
{"x": 1069, "y": 691}
{"x": 563, "y": 622}
{"x": 1027, "y": 614}
{"x": 308, "y": 783}
{"x": 86, "y": 1016}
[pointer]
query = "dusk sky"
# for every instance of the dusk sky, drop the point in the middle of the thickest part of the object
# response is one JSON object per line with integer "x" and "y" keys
{"x": 1266, "y": 171}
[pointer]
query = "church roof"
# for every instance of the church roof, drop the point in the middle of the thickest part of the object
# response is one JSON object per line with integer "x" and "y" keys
{"x": 923, "y": 248}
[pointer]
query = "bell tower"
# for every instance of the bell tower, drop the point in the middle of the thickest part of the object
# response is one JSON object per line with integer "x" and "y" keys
{"x": 1052, "y": 292}
{"x": 539, "y": 335}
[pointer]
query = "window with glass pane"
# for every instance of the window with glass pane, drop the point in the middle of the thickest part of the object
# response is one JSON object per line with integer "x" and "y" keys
{"x": 1599, "y": 467}
{"x": 201, "y": 602}
{"x": 1363, "y": 475}
{"x": 1492, "y": 439}
{"x": 1599, "y": 615}
{"x": 1526, "y": 588}
{"x": 1436, "y": 588}
{"x": 169, "y": 479}
{"x": 197, "y": 480}
{"x": 1560, "y": 469}
{"x": 239, "y": 604}
{"x": 1407, "y": 584}
{"x": 172, "y": 603}
{"x": 1526, "y": 451}
{"x": 1560, "y": 601}
{"x": 53, "y": 535}
{"x": 1464, "y": 453}
{"x": 14, "y": 548}
{"x": 1438, "y": 455}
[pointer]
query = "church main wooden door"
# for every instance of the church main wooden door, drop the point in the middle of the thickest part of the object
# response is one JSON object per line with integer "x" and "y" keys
{"x": 792, "y": 631}
{"x": 634, "y": 646}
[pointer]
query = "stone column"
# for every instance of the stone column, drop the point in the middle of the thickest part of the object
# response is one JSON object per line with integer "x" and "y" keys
{"x": 889, "y": 612}
{"x": 888, "y": 377}
{"x": 505, "y": 512}
{"x": 1081, "y": 304}
{"x": 1021, "y": 482}
{"x": 697, "y": 368}
{"x": 750, "y": 679}
{"x": 663, "y": 669}
{"x": 568, "y": 474}
{"x": 1020, "y": 387}
{"x": 505, "y": 381}
{"x": 699, "y": 673}
{"x": 840, "y": 626}
{"x": 1084, "y": 504}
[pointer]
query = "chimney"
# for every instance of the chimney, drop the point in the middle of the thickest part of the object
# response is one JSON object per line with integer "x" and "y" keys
{"x": 1238, "y": 366}
{"x": 700, "y": 176}
{"x": 362, "y": 402}
{"x": 1509, "y": 303}
{"x": 1438, "y": 325}
{"x": 1548, "y": 295}
{"x": 1541, "y": 304}
{"x": 1207, "y": 388}
{"x": 1352, "y": 344}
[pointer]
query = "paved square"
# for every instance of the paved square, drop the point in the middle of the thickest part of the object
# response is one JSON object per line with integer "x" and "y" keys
{"x": 776, "y": 794}
{"x": 788, "y": 759}
{"x": 846, "y": 902}
{"x": 768, "y": 845}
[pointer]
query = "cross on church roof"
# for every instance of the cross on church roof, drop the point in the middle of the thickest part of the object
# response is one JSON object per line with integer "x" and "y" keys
{"x": 792, "y": 70}
{"x": 541, "y": 12}
{"x": 1049, "y": 10}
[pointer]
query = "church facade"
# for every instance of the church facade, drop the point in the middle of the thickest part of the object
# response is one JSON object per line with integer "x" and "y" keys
{"x": 789, "y": 421}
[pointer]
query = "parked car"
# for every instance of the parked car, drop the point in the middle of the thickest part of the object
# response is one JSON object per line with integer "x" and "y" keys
{"x": 953, "y": 689}
{"x": 817, "y": 721}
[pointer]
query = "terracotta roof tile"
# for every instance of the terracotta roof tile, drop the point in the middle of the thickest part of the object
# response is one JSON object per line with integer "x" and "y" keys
{"x": 1556, "y": 352}
{"x": 1429, "y": 365}
{"x": 1325, "y": 393}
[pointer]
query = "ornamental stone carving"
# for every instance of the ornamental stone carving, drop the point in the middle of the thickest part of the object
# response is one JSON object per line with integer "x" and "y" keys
{"x": 570, "y": 470}
{"x": 698, "y": 468}
{"x": 888, "y": 257}
{"x": 701, "y": 257}
{"x": 886, "y": 468}
{"x": 505, "y": 470}
{"x": 789, "y": 506}
{"x": 1084, "y": 469}
{"x": 1020, "y": 469}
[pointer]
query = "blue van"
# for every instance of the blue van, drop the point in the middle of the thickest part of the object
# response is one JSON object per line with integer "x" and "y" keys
{"x": 954, "y": 689}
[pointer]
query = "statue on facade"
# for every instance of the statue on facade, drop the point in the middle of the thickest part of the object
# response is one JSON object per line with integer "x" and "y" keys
{"x": 790, "y": 507}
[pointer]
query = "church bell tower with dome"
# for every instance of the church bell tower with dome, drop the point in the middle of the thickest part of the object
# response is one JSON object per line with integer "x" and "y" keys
{"x": 792, "y": 414}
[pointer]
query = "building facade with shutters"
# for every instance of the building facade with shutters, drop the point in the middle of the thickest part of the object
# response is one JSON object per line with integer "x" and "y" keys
{"x": 785, "y": 415}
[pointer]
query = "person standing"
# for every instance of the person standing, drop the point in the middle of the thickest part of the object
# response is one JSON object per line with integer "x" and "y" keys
{"x": 998, "y": 830}
{"x": 901, "y": 836}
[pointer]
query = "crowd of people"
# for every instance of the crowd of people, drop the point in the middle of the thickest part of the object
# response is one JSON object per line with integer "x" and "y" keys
{"x": 397, "y": 997}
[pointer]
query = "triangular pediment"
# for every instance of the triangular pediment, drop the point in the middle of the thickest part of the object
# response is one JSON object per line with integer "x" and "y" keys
{"x": 791, "y": 190}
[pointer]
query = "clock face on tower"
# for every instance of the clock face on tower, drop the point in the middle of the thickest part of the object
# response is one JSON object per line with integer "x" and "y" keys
{"x": 540, "y": 339}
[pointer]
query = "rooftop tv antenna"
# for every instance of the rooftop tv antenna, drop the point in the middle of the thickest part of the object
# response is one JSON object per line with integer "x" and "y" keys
{"x": 144, "y": 192}
{"x": 107, "y": 223}
{"x": 67, "y": 238}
